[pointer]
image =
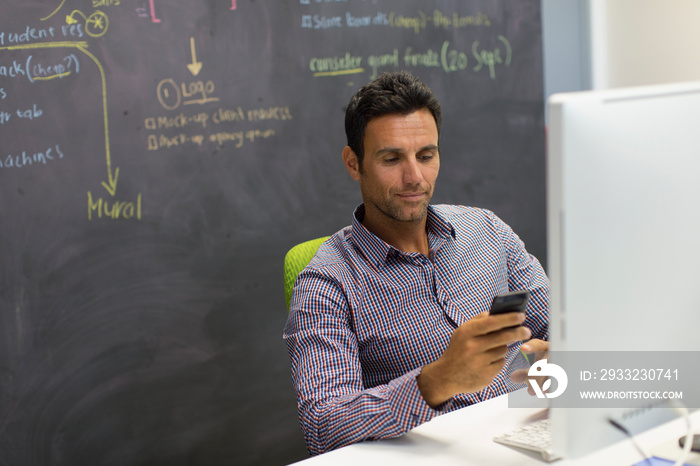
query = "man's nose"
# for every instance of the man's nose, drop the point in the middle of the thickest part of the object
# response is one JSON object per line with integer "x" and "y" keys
{"x": 412, "y": 173}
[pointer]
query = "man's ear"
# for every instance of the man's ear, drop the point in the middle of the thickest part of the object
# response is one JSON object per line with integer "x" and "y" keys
{"x": 351, "y": 163}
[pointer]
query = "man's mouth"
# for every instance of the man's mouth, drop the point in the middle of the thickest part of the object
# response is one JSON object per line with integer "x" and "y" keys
{"x": 411, "y": 196}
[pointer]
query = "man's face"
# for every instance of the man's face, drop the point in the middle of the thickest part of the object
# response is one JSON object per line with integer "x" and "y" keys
{"x": 400, "y": 166}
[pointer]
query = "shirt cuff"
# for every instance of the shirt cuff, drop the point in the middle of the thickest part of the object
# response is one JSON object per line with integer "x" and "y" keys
{"x": 408, "y": 405}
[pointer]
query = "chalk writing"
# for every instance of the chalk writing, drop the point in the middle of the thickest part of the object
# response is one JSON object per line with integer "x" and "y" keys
{"x": 332, "y": 66}
{"x": 179, "y": 121}
{"x": 156, "y": 142}
{"x": 28, "y": 35}
{"x": 112, "y": 175}
{"x": 220, "y": 116}
{"x": 457, "y": 21}
{"x": 254, "y": 134}
{"x": 236, "y": 137}
{"x": 153, "y": 12}
{"x": 28, "y": 159}
{"x": 379, "y": 19}
{"x": 389, "y": 59}
{"x": 143, "y": 13}
{"x": 95, "y": 25}
{"x": 37, "y": 72}
{"x": 452, "y": 60}
{"x": 228, "y": 115}
{"x": 270, "y": 113}
{"x": 416, "y": 23}
{"x": 30, "y": 113}
{"x": 428, "y": 58}
{"x": 448, "y": 58}
{"x": 31, "y": 34}
{"x": 198, "y": 93}
{"x": 12, "y": 71}
{"x": 99, "y": 3}
{"x": 171, "y": 96}
{"x": 25, "y": 114}
{"x": 72, "y": 30}
{"x": 491, "y": 58}
{"x": 101, "y": 208}
{"x": 321, "y": 22}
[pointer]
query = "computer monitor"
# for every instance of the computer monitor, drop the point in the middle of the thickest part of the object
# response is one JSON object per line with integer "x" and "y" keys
{"x": 623, "y": 177}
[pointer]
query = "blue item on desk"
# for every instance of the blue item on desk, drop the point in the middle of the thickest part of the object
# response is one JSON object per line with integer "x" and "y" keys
{"x": 655, "y": 461}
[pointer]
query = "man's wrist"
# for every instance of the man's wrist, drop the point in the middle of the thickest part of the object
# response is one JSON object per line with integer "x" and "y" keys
{"x": 433, "y": 389}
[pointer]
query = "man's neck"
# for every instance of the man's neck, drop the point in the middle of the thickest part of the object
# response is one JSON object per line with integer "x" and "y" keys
{"x": 404, "y": 236}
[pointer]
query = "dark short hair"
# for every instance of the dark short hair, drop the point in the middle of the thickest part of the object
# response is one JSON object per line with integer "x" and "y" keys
{"x": 390, "y": 93}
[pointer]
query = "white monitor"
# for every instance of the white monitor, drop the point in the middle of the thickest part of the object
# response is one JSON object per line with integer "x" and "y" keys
{"x": 623, "y": 175}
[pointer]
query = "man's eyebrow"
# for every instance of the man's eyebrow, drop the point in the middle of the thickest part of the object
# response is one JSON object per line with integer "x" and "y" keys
{"x": 389, "y": 150}
{"x": 398, "y": 150}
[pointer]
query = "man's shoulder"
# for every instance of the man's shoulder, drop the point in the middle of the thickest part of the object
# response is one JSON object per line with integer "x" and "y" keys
{"x": 333, "y": 252}
{"x": 460, "y": 215}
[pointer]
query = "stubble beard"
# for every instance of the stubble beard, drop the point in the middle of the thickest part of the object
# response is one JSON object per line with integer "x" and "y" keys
{"x": 394, "y": 211}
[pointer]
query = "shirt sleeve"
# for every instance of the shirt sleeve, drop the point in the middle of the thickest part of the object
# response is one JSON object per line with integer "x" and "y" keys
{"x": 526, "y": 272}
{"x": 335, "y": 409}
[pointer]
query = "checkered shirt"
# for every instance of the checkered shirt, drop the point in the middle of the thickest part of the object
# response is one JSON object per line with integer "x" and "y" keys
{"x": 365, "y": 317}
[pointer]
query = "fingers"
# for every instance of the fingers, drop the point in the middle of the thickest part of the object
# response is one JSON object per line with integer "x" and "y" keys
{"x": 535, "y": 346}
{"x": 540, "y": 349}
{"x": 496, "y": 355}
{"x": 503, "y": 337}
{"x": 486, "y": 333}
{"x": 476, "y": 353}
{"x": 485, "y": 323}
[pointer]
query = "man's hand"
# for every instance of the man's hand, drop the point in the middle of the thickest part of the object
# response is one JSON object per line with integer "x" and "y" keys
{"x": 475, "y": 355}
{"x": 541, "y": 349}
{"x": 536, "y": 346}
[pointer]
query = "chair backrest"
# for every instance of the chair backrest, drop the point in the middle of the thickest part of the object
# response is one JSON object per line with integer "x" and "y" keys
{"x": 294, "y": 262}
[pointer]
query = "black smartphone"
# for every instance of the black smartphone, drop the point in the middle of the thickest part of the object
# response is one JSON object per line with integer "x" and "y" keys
{"x": 514, "y": 301}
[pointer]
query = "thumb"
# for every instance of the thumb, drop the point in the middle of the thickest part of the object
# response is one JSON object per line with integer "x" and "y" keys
{"x": 535, "y": 346}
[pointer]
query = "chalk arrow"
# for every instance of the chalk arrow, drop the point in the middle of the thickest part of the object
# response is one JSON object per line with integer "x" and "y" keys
{"x": 71, "y": 20}
{"x": 111, "y": 184}
{"x": 112, "y": 176}
{"x": 195, "y": 66}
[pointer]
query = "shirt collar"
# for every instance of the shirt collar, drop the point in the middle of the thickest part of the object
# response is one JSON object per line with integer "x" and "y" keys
{"x": 377, "y": 251}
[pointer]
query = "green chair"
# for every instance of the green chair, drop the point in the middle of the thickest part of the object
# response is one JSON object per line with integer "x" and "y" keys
{"x": 294, "y": 262}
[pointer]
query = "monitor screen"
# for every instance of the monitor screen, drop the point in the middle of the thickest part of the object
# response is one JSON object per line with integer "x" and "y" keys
{"x": 623, "y": 176}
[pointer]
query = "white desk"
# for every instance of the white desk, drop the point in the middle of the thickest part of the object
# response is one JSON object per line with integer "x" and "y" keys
{"x": 464, "y": 438}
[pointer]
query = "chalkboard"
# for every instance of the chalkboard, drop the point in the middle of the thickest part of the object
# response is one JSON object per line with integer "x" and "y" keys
{"x": 157, "y": 160}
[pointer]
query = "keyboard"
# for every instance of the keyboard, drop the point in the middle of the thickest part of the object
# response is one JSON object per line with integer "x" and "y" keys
{"x": 533, "y": 437}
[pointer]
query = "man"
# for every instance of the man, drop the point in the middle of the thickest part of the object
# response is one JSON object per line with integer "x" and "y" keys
{"x": 389, "y": 323}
